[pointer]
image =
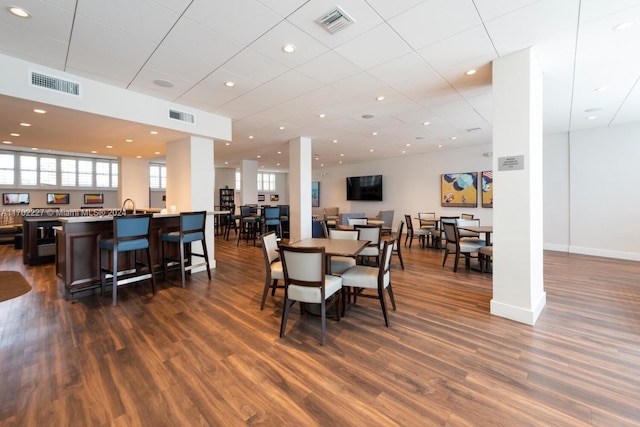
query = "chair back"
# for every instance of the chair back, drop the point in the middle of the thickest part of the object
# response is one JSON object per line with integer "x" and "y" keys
{"x": 245, "y": 211}
{"x": 387, "y": 217}
{"x": 398, "y": 233}
{"x": 451, "y": 233}
{"x": 385, "y": 262}
{"x": 427, "y": 220}
{"x": 131, "y": 232}
{"x": 370, "y": 233}
{"x": 272, "y": 216}
{"x": 193, "y": 222}
{"x": 332, "y": 211}
{"x": 303, "y": 266}
{"x": 467, "y": 222}
{"x": 335, "y": 233}
{"x": 407, "y": 219}
{"x": 325, "y": 230}
{"x": 357, "y": 221}
{"x": 270, "y": 247}
{"x": 466, "y": 216}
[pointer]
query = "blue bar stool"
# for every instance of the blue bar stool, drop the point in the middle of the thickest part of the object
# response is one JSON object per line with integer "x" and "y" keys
{"x": 191, "y": 230}
{"x": 130, "y": 234}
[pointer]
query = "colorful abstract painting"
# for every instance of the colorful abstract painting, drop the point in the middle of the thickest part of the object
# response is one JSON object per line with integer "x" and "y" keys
{"x": 486, "y": 182}
{"x": 459, "y": 190}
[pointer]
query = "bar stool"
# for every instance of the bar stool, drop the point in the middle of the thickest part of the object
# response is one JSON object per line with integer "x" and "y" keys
{"x": 130, "y": 234}
{"x": 272, "y": 219}
{"x": 191, "y": 230}
{"x": 249, "y": 224}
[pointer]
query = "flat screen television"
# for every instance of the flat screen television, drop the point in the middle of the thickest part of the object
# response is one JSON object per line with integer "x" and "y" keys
{"x": 364, "y": 187}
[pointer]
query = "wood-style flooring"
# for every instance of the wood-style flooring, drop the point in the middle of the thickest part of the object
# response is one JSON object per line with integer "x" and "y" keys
{"x": 208, "y": 356}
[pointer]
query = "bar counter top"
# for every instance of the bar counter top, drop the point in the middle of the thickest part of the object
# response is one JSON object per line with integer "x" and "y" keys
{"x": 97, "y": 218}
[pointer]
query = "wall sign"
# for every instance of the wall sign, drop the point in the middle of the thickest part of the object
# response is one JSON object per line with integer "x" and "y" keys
{"x": 511, "y": 163}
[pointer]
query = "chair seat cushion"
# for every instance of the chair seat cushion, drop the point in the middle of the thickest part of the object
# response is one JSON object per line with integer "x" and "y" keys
{"x": 277, "y": 271}
{"x": 473, "y": 240}
{"x": 311, "y": 294}
{"x": 369, "y": 251}
{"x": 174, "y": 236}
{"x": 469, "y": 246}
{"x": 127, "y": 245}
{"x": 362, "y": 276}
{"x": 340, "y": 264}
{"x": 420, "y": 232}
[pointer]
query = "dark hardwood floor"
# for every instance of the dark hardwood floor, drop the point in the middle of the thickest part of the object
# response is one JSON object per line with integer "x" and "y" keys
{"x": 207, "y": 355}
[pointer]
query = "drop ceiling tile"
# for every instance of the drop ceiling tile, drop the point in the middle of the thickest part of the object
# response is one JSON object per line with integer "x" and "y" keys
{"x": 359, "y": 84}
{"x": 329, "y": 67}
{"x": 388, "y": 9}
{"x": 382, "y": 40}
{"x": 406, "y": 67}
{"x": 364, "y": 16}
{"x": 283, "y": 7}
{"x": 459, "y": 48}
{"x": 244, "y": 64}
{"x": 242, "y": 21}
{"x": 34, "y": 47}
{"x": 432, "y": 21}
{"x": 490, "y": 9}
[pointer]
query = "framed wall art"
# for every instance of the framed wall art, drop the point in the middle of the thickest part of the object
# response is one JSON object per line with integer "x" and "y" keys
{"x": 15, "y": 198}
{"x": 315, "y": 194}
{"x": 58, "y": 198}
{"x": 459, "y": 190}
{"x": 486, "y": 185}
{"x": 93, "y": 199}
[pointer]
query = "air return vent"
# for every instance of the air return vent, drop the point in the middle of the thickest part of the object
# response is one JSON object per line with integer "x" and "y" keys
{"x": 182, "y": 116}
{"x": 335, "y": 20}
{"x": 54, "y": 83}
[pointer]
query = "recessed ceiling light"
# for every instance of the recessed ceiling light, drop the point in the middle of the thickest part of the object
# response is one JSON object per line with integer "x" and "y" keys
{"x": 317, "y": 158}
{"x": 18, "y": 11}
{"x": 380, "y": 98}
{"x": 281, "y": 128}
{"x": 591, "y": 118}
{"x": 439, "y": 145}
{"x": 340, "y": 162}
{"x": 407, "y": 145}
{"x": 374, "y": 133}
{"x": 277, "y": 164}
{"x": 229, "y": 84}
{"x": 426, "y": 123}
{"x": 250, "y": 136}
{"x": 25, "y": 124}
{"x": 154, "y": 132}
{"x": 226, "y": 163}
{"x": 403, "y": 152}
{"x": 39, "y": 111}
{"x": 128, "y": 140}
{"x": 14, "y": 134}
{"x": 156, "y": 153}
{"x": 258, "y": 156}
{"x": 7, "y": 142}
{"x": 109, "y": 146}
{"x": 335, "y": 141}
{"x": 470, "y": 72}
{"x": 322, "y": 116}
{"x": 454, "y": 137}
{"x": 341, "y": 154}
{"x": 34, "y": 148}
{"x": 279, "y": 152}
{"x": 138, "y": 157}
{"x": 623, "y": 26}
{"x": 163, "y": 83}
{"x": 94, "y": 152}
{"x": 321, "y": 164}
{"x": 227, "y": 143}
{"x": 371, "y": 150}
{"x": 289, "y": 48}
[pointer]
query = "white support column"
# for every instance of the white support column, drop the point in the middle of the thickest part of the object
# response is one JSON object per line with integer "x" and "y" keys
{"x": 299, "y": 189}
{"x": 134, "y": 181}
{"x": 191, "y": 183}
{"x": 249, "y": 182}
{"x": 518, "y": 288}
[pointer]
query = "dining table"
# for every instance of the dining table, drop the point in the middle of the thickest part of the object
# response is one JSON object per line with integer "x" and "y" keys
{"x": 333, "y": 247}
{"x": 486, "y": 229}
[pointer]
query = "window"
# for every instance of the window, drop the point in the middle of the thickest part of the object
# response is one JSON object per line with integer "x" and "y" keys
{"x": 7, "y": 169}
{"x": 103, "y": 173}
{"x": 157, "y": 176}
{"x": 68, "y": 172}
{"x": 28, "y": 170}
{"x": 48, "y": 169}
{"x": 85, "y": 173}
{"x": 266, "y": 182}
{"x": 238, "y": 181}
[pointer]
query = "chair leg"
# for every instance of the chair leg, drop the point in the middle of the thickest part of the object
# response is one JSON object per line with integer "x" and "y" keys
{"x": 114, "y": 291}
{"x": 400, "y": 257}
{"x": 206, "y": 258}
{"x": 153, "y": 276}
{"x": 323, "y": 321}
{"x": 285, "y": 315}
{"x": 383, "y": 305}
{"x": 393, "y": 300}
{"x": 446, "y": 254}
{"x": 181, "y": 243}
{"x": 267, "y": 285}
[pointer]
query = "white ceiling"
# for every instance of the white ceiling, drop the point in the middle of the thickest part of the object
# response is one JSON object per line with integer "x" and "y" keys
{"x": 412, "y": 52}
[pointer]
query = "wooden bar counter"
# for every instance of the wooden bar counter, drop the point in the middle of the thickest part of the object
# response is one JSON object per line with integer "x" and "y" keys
{"x": 78, "y": 253}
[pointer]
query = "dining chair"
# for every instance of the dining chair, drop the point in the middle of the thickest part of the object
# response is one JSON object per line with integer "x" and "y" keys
{"x": 332, "y": 215}
{"x": 428, "y": 222}
{"x": 325, "y": 230}
{"x": 340, "y": 264}
{"x": 466, "y": 235}
{"x": 466, "y": 216}
{"x": 437, "y": 236}
{"x": 192, "y": 229}
{"x": 412, "y": 233}
{"x": 455, "y": 246}
{"x": 307, "y": 283}
{"x": 485, "y": 256}
{"x": 396, "y": 235}
{"x": 357, "y": 221}
{"x": 372, "y": 234}
{"x": 361, "y": 277}
{"x": 130, "y": 234}
{"x": 249, "y": 224}
{"x": 273, "y": 265}
{"x": 271, "y": 218}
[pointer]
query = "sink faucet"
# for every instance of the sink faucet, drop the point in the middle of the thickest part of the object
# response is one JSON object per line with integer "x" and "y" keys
{"x": 124, "y": 205}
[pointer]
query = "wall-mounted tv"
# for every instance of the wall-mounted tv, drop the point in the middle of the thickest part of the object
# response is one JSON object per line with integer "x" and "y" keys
{"x": 364, "y": 187}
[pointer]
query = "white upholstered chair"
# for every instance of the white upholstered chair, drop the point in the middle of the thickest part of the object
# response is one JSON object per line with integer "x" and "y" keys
{"x": 340, "y": 264}
{"x": 307, "y": 283}
{"x": 361, "y": 277}
{"x": 457, "y": 247}
{"x": 273, "y": 265}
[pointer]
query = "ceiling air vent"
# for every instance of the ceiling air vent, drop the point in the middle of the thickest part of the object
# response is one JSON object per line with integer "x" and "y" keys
{"x": 335, "y": 20}
{"x": 54, "y": 83}
{"x": 182, "y": 116}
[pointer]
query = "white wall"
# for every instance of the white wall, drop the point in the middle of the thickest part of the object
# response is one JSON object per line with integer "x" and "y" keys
{"x": 556, "y": 192}
{"x": 605, "y": 205}
{"x": 411, "y": 184}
